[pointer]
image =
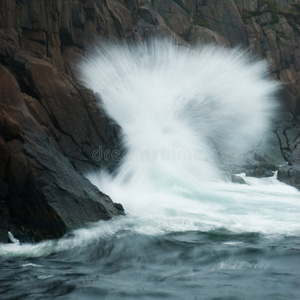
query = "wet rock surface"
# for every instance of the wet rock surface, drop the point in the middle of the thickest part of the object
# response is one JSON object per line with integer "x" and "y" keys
{"x": 51, "y": 125}
{"x": 40, "y": 187}
{"x": 237, "y": 179}
{"x": 289, "y": 137}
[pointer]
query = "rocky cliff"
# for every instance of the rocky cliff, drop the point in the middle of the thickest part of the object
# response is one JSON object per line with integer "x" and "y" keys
{"x": 50, "y": 125}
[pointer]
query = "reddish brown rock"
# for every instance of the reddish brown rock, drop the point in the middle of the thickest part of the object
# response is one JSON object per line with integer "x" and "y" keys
{"x": 3, "y": 160}
{"x": 174, "y": 16}
{"x": 202, "y": 35}
{"x": 224, "y": 17}
{"x": 151, "y": 25}
{"x": 45, "y": 195}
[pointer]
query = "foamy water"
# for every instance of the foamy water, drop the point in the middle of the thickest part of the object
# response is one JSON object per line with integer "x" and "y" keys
{"x": 264, "y": 206}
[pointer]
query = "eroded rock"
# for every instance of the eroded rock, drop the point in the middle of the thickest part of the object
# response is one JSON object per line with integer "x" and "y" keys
{"x": 46, "y": 195}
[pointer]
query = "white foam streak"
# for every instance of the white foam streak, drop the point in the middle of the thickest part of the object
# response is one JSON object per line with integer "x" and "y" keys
{"x": 263, "y": 205}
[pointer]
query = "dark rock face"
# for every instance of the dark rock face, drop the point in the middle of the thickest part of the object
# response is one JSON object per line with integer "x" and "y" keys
{"x": 290, "y": 175}
{"x": 289, "y": 137}
{"x": 237, "y": 179}
{"x": 41, "y": 189}
{"x": 51, "y": 126}
{"x": 224, "y": 17}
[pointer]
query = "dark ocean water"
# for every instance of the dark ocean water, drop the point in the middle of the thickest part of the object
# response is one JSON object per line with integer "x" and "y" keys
{"x": 179, "y": 265}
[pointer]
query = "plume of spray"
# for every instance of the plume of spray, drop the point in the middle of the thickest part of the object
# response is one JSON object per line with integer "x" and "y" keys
{"x": 178, "y": 107}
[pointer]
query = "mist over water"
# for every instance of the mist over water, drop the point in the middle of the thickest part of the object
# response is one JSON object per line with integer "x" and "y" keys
{"x": 188, "y": 232}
